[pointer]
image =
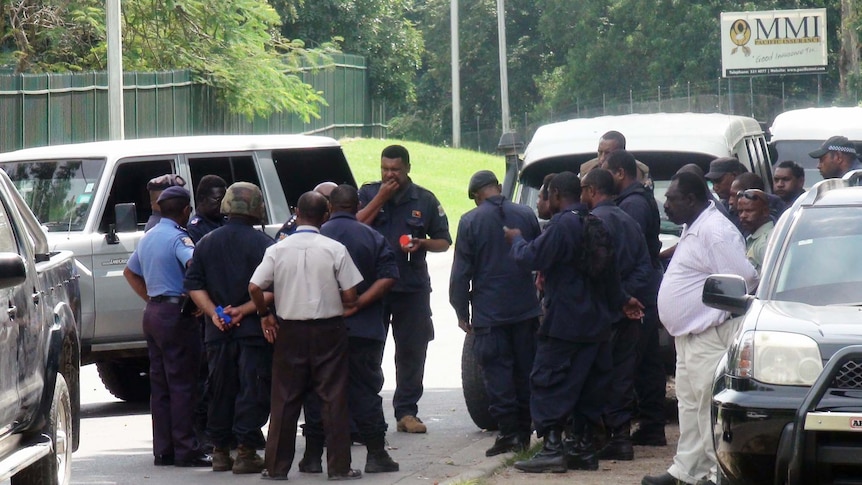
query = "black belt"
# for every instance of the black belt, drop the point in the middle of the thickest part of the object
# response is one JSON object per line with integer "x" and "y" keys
{"x": 167, "y": 299}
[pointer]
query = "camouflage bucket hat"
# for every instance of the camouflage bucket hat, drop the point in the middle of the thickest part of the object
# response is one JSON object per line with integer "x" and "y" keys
{"x": 243, "y": 198}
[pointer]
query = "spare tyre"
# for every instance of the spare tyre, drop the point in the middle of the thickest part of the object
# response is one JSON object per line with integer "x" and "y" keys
{"x": 473, "y": 385}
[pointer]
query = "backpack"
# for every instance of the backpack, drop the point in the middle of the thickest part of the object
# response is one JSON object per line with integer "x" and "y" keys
{"x": 597, "y": 261}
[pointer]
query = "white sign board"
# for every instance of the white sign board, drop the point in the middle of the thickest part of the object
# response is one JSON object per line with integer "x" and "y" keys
{"x": 773, "y": 42}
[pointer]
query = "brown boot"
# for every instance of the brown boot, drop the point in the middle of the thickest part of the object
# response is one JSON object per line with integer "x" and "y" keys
{"x": 222, "y": 461}
{"x": 247, "y": 460}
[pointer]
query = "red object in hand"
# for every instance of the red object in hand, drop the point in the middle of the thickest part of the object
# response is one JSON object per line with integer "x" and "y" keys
{"x": 406, "y": 241}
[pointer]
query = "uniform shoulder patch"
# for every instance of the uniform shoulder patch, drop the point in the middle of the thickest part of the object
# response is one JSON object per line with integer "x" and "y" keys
{"x": 187, "y": 242}
{"x": 440, "y": 210}
{"x": 416, "y": 214}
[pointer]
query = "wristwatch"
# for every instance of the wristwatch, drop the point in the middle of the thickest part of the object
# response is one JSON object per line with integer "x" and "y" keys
{"x": 265, "y": 313}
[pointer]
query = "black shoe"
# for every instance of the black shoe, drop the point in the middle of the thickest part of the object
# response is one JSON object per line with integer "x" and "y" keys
{"x": 507, "y": 443}
{"x": 379, "y": 461}
{"x": 163, "y": 460}
{"x": 199, "y": 461}
{"x": 663, "y": 479}
{"x": 617, "y": 449}
{"x": 649, "y": 437}
{"x": 308, "y": 465}
{"x": 551, "y": 459}
{"x": 581, "y": 453}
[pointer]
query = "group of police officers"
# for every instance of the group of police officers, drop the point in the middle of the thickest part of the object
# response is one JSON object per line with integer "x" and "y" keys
{"x": 216, "y": 260}
{"x": 562, "y": 351}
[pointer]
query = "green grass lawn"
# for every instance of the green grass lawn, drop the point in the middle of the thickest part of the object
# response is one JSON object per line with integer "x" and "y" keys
{"x": 444, "y": 171}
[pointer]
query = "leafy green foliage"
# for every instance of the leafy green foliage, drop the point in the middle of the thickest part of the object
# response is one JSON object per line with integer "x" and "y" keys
{"x": 232, "y": 44}
{"x": 380, "y": 30}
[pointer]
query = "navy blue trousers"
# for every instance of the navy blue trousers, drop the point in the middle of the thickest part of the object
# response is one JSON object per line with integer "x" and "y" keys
{"x": 621, "y": 380}
{"x": 174, "y": 347}
{"x": 239, "y": 384}
{"x": 650, "y": 379}
{"x": 566, "y": 382}
{"x": 409, "y": 315}
{"x": 506, "y": 354}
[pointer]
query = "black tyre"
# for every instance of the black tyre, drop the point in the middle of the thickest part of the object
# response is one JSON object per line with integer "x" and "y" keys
{"x": 128, "y": 379}
{"x": 473, "y": 386}
{"x": 56, "y": 467}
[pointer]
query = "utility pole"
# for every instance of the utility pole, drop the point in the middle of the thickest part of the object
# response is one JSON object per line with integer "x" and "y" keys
{"x": 116, "y": 128}
{"x": 504, "y": 70}
{"x": 456, "y": 77}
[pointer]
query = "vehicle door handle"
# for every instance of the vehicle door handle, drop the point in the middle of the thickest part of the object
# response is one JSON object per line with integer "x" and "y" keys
{"x": 12, "y": 311}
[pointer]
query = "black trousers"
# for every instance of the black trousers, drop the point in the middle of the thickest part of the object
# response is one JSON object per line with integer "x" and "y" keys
{"x": 174, "y": 348}
{"x": 506, "y": 354}
{"x": 365, "y": 357}
{"x": 309, "y": 356}
{"x": 409, "y": 315}
{"x": 239, "y": 383}
{"x": 650, "y": 379}
{"x": 621, "y": 380}
{"x": 566, "y": 382}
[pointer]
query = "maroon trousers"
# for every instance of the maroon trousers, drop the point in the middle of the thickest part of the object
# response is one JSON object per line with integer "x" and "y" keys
{"x": 309, "y": 356}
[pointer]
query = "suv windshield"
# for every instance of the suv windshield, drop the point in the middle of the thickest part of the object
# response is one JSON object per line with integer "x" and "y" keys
{"x": 811, "y": 269}
{"x": 59, "y": 192}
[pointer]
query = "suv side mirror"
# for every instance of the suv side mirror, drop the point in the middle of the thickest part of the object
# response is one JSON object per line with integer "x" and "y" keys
{"x": 13, "y": 271}
{"x": 726, "y": 292}
{"x": 126, "y": 216}
{"x": 126, "y": 221}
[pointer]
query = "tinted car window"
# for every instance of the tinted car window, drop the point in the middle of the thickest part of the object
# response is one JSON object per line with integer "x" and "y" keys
{"x": 812, "y": 269}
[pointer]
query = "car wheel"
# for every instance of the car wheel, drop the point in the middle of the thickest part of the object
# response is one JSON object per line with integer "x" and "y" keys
{"x": 128, "y": 380}
{"x": 56, "y": 467}
{"x": 473, "y": 385}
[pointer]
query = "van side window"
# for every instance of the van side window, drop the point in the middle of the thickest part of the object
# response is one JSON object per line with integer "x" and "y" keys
{"x": 234, "y": 168}
{"x": 130, "y": 185}
{"x": 301, "y": 170}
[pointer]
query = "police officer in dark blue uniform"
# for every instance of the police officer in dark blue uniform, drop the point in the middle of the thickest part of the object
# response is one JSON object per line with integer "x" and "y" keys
{"x": 505, "y": 307}
{"x": 239, "y": 357}
{"x": 633, "y": 263}
{"x": 637, "y": 202}
{"x": 366, "y": 336}
{"x": 572, "y": 347}
{"x": 155, "y": 272}
{"x": 413, "y": 222}
{"x": 208, "y": 216}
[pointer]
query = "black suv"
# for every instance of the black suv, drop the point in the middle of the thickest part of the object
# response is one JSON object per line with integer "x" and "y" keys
{"x": 787, "y": 400}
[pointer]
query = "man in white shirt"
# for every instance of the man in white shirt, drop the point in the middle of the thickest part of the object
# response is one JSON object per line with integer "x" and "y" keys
{"x": 313, "y": 280}
{"x": 709, "y": 244}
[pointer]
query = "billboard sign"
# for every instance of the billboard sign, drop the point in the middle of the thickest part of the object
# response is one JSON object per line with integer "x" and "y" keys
{"x": 773, "y": 42}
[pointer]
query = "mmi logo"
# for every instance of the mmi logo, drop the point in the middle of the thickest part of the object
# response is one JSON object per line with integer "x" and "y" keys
{"x": 856, "y": 423}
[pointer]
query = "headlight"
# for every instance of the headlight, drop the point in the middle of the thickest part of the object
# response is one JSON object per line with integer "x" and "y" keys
{"x": 782, "y": 358}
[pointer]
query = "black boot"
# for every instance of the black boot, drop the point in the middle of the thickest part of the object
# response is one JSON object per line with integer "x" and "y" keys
{"x": 509, "y": 439}
{"x": 581, "y": 452}
{"x": 311, "y": 460}
{"x": 378, "y": 459}
{"x": 619, "y": 447}
{"x": 550, "y": 459}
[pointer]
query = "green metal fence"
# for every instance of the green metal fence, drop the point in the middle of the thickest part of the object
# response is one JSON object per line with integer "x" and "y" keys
{"x": 51, "y": 109}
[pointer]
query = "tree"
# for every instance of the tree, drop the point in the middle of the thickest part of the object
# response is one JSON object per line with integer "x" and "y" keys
{"x": 380, "y": 30}
{"x": 479, "y": 64}
{"x": 232, "y": 44}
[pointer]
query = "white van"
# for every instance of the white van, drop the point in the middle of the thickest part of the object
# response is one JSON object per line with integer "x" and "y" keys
{"x": 663, "y": 141}
{"x": 798, "y": 132}
{"x": 92, "y": 199}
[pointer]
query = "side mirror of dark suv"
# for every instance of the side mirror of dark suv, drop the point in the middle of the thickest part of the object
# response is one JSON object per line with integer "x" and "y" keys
{"x": 726, "y": 292}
